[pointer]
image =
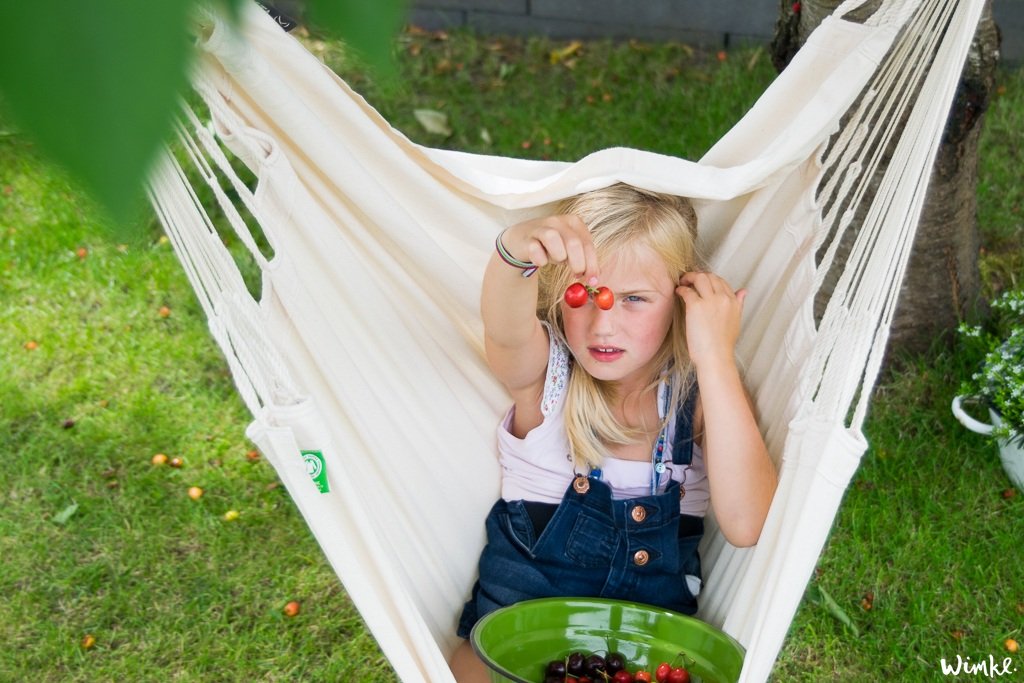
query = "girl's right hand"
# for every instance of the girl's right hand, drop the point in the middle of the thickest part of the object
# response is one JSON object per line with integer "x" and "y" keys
{"x": 554, "y": 239}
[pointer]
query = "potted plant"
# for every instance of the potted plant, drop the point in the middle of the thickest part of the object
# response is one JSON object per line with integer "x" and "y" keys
{"x": 999, "y": 382}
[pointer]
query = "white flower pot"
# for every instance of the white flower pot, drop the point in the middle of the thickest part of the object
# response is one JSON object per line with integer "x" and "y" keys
{"x": 1012, "y": 454}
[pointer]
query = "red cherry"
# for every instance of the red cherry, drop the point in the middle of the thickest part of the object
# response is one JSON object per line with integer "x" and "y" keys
{"x": 642, "y": 676}
{"x": 604, "y": 298}
{"x": 622, "y": 676}
{"x": 679, "y": 675}
{"x": 576, "y": 295}
{"x": 662, "y": 672}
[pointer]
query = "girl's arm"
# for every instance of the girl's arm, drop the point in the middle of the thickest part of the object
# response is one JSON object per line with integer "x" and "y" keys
{"x": 741, "y": 476}
{"x": 515, "y": 342}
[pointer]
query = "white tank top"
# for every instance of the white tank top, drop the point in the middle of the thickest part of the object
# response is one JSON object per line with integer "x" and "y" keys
{"x": 538, "y": 467}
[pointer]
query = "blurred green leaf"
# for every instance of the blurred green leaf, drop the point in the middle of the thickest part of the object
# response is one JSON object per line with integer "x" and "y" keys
{"x": 94, "y": 84}
{"x": 368, "y": 27}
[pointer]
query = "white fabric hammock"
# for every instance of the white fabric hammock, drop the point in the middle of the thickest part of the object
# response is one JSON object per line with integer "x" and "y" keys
{"x": 365, "y": 345}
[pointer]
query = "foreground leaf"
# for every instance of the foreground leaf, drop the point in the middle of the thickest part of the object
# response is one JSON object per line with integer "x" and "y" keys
{"x": 94, "y": 84}
{"x": 368, "y": 27}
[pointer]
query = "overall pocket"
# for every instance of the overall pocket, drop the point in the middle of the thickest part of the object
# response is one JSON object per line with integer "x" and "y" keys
{"x": 518, "y": 528}
{"x": 592, "y": 540}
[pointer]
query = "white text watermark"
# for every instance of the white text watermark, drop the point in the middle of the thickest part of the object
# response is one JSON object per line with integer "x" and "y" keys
{"x": 986, "y": 667}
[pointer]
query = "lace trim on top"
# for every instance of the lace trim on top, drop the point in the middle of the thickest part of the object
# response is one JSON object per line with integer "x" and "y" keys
{"x": 559, "y": 363}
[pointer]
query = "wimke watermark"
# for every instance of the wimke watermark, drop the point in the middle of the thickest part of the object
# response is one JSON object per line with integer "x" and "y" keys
{"x": 963, "y": 666}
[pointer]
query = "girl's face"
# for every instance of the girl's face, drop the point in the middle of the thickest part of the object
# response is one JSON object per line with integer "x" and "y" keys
{"x": 620, "y": 344}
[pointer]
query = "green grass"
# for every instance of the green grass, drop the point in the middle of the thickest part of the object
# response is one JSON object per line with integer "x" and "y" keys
{"x": 172, "y": 591}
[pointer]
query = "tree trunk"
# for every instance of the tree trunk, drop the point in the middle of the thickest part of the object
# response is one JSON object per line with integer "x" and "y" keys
{"x": 942, "y": 283}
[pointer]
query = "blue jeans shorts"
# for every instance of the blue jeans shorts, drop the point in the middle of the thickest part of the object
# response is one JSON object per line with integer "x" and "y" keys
{"x": 639, "y": 549}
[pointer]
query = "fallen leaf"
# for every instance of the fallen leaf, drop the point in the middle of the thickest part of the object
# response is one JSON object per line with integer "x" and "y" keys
{"x": 754, "y": 59}
{"x": 820, "y": 596}
{"x": 569, "y": 50}
{"x": 433, "y": 121}
{"x": 64, "y": 515}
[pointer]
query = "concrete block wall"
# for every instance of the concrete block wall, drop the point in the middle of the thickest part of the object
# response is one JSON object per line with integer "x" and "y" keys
{"x": 708, "y": 23}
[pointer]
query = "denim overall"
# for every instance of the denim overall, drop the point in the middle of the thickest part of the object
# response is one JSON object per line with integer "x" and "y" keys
{"x": 637, "y": 549}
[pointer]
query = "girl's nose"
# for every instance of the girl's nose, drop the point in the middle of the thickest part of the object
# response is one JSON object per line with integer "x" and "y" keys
{"x": 602, "y": 322}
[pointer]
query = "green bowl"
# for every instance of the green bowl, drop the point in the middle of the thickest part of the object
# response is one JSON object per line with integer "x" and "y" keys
{"x": 517, "y": 642}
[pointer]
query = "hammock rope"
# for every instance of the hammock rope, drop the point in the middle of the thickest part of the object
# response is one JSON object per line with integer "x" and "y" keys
{"x": 391, "y": 396}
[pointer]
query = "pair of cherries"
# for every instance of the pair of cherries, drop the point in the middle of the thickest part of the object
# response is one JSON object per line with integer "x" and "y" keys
{"x": 578, "y": 293}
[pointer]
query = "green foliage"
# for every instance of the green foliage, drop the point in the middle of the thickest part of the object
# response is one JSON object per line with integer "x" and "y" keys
{"x": 96, "y": 83}
{"x": 999, "y": 381}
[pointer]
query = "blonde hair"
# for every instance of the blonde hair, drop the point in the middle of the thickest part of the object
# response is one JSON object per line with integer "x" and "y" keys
{"x": 618, "y": 217}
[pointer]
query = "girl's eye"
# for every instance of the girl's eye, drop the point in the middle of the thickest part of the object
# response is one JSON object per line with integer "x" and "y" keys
{"x": 635, "y": 298}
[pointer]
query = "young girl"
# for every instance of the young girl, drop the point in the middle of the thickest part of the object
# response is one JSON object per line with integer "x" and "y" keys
{"x": 626, "y": 420}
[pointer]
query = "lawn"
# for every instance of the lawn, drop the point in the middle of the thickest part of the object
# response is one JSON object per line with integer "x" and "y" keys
{"x": 106, "y": 362}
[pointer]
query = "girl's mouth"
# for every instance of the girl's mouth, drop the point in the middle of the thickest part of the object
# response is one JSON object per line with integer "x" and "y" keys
{"x": 605, "y": 354}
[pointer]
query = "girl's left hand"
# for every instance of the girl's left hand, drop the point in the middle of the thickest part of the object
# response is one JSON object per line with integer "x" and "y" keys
{"x": 713, "y": 312}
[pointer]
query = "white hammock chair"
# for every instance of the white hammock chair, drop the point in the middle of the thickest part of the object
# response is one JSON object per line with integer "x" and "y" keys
{"x": 365, "y": 345}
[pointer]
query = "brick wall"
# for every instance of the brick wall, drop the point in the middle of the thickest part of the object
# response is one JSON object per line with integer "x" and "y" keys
{"x": 711, "y": 23}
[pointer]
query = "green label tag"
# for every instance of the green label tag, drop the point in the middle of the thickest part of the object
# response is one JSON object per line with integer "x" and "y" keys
{"x": 317, "y": 470}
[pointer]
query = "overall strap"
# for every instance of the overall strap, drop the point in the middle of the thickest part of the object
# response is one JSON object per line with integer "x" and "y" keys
{"x": 682, "y": 440}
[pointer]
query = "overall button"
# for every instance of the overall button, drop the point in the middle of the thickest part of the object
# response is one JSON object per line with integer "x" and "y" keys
{"x": 638, "y": 513}
{"x": 641, "y": 557}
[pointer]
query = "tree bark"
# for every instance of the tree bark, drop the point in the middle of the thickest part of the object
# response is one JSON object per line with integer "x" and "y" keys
{"x": 942, "y": 283}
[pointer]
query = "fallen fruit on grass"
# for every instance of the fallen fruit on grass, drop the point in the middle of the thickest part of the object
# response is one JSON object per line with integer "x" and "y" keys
{"x": 164, "y": 312}
{"x": 159, "y": 459}
{"x": 1011, "y": 645}
{"x": 604, "y": 298}
{"x": 252, "y": 456}
{"x": 231, "y": 515}
{"x": 291, "y": 609}
{"x": 576, "y": 295}
{"x": 81, "y": 252}
{"x": 175, "y": 462}
{"x": 195, "y": 493}
{"x": 31, "y": 345}
{"x": 88, "y": 640}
